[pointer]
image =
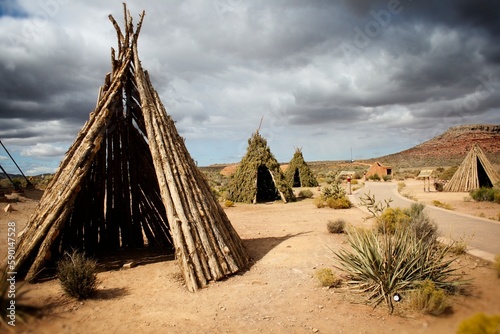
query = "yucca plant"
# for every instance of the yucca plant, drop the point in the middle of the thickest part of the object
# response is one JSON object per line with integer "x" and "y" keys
{"x": 384, "y": 264}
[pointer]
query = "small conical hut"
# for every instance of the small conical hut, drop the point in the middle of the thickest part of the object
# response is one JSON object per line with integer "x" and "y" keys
{"x": 475, "y": 172}
{"x": 129, "y": 183}
{"x": 258, "y": 177}
{"x": 298, "y": 173}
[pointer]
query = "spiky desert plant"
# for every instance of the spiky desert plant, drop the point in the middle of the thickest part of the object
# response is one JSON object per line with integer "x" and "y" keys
{"x": 383, "y": 264}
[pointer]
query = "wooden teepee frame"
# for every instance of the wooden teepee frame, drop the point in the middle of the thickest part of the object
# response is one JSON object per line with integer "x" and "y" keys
{"x": 474, "y": 172}
{"x": 128, "y": 181}
{"x": 298, "y": 164}
{"x": 243, "y": 186}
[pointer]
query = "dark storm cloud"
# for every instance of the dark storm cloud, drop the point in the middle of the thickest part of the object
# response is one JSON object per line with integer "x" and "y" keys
{"x": 221, "y": 65}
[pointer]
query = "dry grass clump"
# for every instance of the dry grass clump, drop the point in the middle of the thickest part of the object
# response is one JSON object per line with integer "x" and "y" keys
{"x": 77, "y": 275}
{"x": 428, "y": 299}
{"x": 327, "y": 278}
{"x": 480, "y": 323}
{"x": 338, "y": 203}
{"x": 305, "y": 193}
{"x": 336, "y": 226}
{"x": 228, "y": 203}
{"x": 440, "y": 204}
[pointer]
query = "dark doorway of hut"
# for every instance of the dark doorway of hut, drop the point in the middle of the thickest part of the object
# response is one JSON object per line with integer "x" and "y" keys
{"x": 296, "y": 178}
{"x": 266, "y": 190}
{"x": 484, "y": 180}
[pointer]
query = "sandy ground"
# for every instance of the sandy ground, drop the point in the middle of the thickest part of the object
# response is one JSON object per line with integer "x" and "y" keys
{"x": 277, "y": 294}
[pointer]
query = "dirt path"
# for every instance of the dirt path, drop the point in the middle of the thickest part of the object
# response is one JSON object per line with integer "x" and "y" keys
{"x": 277, "y": 294}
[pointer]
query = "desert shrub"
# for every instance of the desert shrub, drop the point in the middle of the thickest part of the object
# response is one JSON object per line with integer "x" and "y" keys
{"x": 387, "y": 178}
{"x": 485, "y": 194}
{"x": 413, "y": 218}
{"x": 428, "y": 299}
{"x": 338, "y": 203}
{"x": 440, "y": 204}
{"x": 77, "y": 275}
{"x": 336, "y": 226}
{"x": 228, "y": 203}
{"x": 381, "y": 265}
{"x": 496, "y": 264}
{"x": 318, "y": 201}
{"x": 353, "y": 181}
{"x": 480, "y": 323}
{"x": 374, "y": 177}
{"x": 327, "y": 278}
{"x": 334, "y": 190}
{"x": 401, "y": 186}
{"x": 305, "y": 193}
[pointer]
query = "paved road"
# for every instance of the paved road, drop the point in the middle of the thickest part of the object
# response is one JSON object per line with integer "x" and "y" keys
{"x": 482, "y": 235}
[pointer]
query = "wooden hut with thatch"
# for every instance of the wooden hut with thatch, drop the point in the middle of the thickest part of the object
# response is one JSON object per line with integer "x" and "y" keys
{"x": 298, "y": 173}
{"x": 129, "y": 183}
{"x": 258, "y": 177}
{"x": 475, "y": 171}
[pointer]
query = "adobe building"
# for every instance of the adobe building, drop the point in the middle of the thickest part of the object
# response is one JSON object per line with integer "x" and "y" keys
{"x": 378, "y": 168}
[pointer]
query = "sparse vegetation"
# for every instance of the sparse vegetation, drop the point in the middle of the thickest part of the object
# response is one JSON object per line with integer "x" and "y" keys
{"x": 333, "y": 196}
{"x": 428, "y": 299}
{"x": 77, "y": 275}
{"x": 387, "y": 178}
{"x": 480, "y": 323}
{"x": 381, "y": 265}
{"x": 305, "y": 193}
{"x": 374, "y": 177}
{"x": 401, "y": 186}
{"x": 228, "y": 203}
{"x": 485, "y": 194}
{"x": 327, "y": 278}
{"x": 336, "y": 226}
{"x": 440, "y": 204}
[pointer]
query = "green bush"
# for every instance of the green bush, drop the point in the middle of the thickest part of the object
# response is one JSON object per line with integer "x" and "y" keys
{"x": 77, "y": 275}
{"x": 387, "y": 178}
{"x": 382, "y": 265}
{"x": 480, "y": 323}
{"x": 336, "y": 226}
{"x": 327, "y": 278}
{"x": 374, "y": 177}
{"x": 485, "y": 194}
{"x": 428, "y": 299}
{"x": 305, "y": 193}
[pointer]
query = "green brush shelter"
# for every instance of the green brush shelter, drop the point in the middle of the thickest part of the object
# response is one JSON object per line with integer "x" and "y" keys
{"x": 298, "y": 173}
{"x": 258, "y": 177}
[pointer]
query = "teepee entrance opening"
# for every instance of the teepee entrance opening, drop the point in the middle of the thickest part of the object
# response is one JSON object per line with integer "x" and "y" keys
{"x": 482, "y": 176}
{"x": 296, "y": 178}
{"x": 266, "y": 191}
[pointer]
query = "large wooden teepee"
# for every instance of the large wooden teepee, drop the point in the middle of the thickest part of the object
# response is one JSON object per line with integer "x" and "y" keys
{"x": 128, "y": 182}
{"x": 475, "y": 171}
{"x": 258, "y": 177}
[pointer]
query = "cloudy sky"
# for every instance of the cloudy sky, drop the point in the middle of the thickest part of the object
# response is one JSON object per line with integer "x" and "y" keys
{"x": 371, "y": 77}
